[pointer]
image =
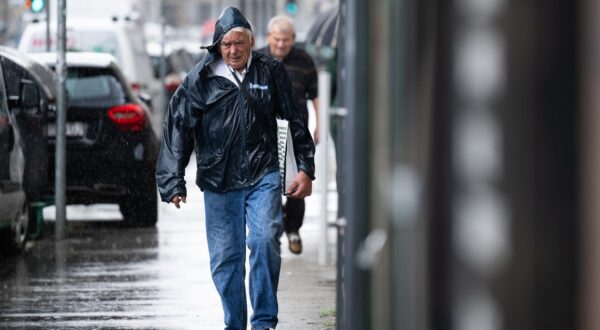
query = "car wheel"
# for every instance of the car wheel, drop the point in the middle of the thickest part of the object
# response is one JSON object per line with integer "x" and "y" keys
{"x": 140, "y": 209}
{"x": 15, "y": 238}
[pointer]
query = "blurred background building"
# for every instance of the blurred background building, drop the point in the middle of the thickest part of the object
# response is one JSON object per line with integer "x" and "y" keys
{"x": 190, "y": 19}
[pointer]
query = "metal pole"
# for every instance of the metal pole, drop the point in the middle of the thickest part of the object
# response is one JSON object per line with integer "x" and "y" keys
{"x": 48, "y": 40}
{"x": 243, "y": 7}
{"x": 357, "y": 307}
{"x": 323, "y": 166}
{"x": 589, "y": 290}
{"x": 61, "y": 102}
{"x": 163, "y": 59}
{"x": 261, "y": 21}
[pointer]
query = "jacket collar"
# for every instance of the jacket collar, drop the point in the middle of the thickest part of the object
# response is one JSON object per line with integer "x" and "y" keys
{"x": 209, "y": 58}
{"x": 291, "y": 53}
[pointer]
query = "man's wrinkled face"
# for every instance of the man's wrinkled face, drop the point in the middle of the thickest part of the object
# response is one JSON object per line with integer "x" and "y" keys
{"x": 280, "y": 43}
{"x": 236, "y": 48}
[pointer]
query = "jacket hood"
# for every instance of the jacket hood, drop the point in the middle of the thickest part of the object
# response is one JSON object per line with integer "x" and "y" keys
{"x": 230, "y": 18}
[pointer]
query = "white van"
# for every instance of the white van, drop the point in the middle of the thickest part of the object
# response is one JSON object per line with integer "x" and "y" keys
{"x": 123, "y": 39}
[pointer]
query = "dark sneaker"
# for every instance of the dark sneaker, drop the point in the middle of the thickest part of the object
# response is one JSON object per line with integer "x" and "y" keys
{"x": 295, "y": 243}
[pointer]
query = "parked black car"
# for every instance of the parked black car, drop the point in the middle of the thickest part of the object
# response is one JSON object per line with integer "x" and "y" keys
{"x": 31, "y": 99}
{"x": 14, "y": 204}
{"x": 111, "y": 146}
{"x": 26, "y": 98}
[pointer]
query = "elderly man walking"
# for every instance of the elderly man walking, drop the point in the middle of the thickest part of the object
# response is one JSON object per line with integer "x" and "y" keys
{"x": 226, "y": 111}
{"x": 303, "y": 74}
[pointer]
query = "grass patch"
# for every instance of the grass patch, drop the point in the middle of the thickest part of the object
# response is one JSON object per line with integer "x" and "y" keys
{"x": 327, "y": 312}
{"x": 329, "y": 324}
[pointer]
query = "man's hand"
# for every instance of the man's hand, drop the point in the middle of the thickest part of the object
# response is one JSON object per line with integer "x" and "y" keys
{"x": 316, "y": 136}
{"x": 177, "y": 199}
{"x": 300, "y": 187}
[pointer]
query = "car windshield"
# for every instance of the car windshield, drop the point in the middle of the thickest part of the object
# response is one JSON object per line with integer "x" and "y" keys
{"x": 94, "y": 87}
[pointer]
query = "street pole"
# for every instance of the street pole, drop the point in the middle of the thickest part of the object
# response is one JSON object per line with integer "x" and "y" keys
{"x": 163, "y": 59}
{"x": 357, "y": 143}
{"x": 48, "y": 40}
{"x": 323, "y": 167}
{"x": 61, "y": 110}
{"x": 243, "y": 7}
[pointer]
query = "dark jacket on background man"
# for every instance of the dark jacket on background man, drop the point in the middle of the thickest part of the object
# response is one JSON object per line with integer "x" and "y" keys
{"x": 301, "y": 69}
{"x": 234, "y": 148}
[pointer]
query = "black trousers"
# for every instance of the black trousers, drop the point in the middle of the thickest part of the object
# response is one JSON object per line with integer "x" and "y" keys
{"x": 293, "y": 214}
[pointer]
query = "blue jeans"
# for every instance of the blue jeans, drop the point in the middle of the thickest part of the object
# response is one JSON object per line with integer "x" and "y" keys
{"x": 227, "y": 215}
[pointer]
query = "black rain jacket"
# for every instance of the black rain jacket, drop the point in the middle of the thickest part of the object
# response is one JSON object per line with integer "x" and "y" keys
{"x": 234, "y": 148}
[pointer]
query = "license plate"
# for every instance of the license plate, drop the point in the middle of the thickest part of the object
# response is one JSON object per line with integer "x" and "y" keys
{"x": 72, "y": 129}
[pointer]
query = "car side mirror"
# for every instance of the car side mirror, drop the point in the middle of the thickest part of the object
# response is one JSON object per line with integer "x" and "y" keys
{"x": 146, "y": 98}
{"x": 29, "y": 95}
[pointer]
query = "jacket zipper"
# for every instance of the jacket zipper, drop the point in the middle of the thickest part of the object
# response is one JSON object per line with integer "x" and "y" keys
{"x": 244, "y": 124}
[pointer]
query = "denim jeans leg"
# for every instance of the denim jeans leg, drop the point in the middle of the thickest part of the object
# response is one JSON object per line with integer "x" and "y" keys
{"x": 226, "y": 231}
{"x": 265, "y": 226}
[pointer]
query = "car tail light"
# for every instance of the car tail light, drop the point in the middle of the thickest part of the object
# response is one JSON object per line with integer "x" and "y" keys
{"x": 128, "y": 117}
{"x": 171, "y": 87}
{"x": 136, "y": 87}
{"x": 172, "y": 81}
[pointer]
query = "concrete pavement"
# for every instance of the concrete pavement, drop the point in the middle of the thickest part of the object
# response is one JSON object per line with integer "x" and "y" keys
{"x": 103, "y": 276}
{"x": 188, "y": 299}
{"x": 306, "y": 290}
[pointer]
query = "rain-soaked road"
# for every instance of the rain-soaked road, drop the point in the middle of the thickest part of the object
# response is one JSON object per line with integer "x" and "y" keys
{"x": 103, "y": 276}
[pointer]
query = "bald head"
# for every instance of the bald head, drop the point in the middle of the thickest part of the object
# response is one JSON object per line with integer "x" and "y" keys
{"x": 281, "y": 37}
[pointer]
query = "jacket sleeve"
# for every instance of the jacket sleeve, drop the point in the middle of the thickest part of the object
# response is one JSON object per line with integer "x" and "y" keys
{"x": 289, "y": 109}
{"x": 176, "y": 147}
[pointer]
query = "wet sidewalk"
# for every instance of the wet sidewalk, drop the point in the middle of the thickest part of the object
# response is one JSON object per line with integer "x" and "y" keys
{"x": 306, "y": 290}
{"x": 103, "y": 276}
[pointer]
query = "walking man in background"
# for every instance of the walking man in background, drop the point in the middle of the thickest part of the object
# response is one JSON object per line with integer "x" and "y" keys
{"x": 303, "y": 74}
{"x": 225, "y": 110}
